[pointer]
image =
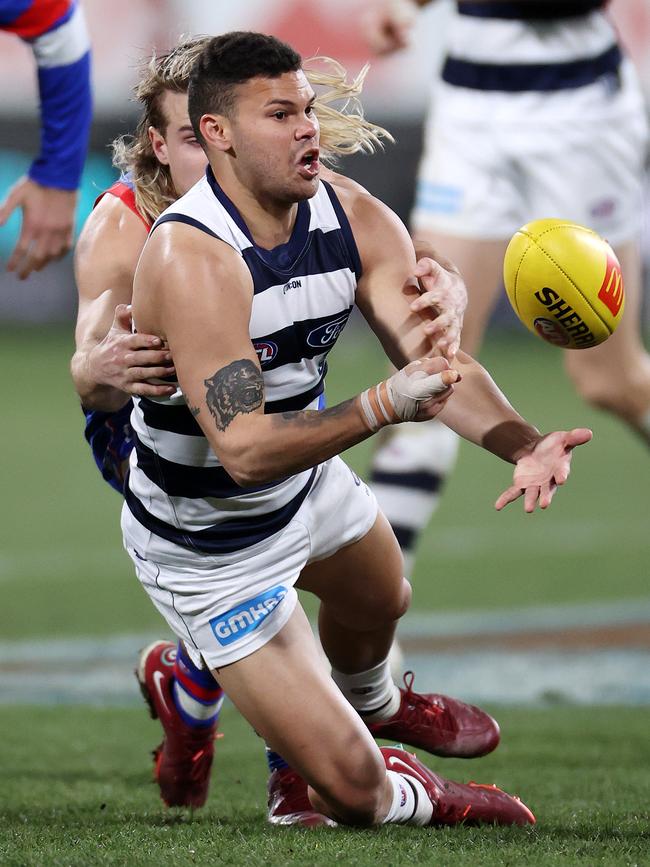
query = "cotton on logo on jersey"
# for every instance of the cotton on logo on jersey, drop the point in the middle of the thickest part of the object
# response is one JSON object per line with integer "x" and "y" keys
{"x": 326, "y": 335}
{"x": 245, "y": 618}
{"x": 266, "y": 350}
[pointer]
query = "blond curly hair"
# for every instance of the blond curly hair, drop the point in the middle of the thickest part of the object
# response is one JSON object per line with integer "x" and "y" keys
{"x": 343, "y": 128}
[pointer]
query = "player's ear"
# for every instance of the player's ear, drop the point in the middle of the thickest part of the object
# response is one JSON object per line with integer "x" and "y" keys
{"x": 216, "y": 131}
{"x": 158, "y": 145}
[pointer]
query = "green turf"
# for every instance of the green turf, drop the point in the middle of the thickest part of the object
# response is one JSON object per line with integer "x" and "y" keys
{"x": 76, "y": 790}
{"x": 63, "y": 570}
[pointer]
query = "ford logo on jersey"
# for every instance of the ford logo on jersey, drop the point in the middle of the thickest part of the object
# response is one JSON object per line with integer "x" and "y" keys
{"x": 246, "y": 617}
{"x": 266, "y": 351}
{"x": 326, "y": 335}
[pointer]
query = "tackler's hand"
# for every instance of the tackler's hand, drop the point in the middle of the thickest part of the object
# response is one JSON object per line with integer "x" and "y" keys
{"x": 444, "y": 297}
{"x": 130, "y": 362}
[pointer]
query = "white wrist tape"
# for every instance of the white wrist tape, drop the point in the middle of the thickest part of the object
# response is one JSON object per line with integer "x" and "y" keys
{"x": 396, "y": 399}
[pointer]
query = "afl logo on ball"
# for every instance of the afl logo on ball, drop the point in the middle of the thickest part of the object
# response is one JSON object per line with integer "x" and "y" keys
{"x": 550, "y": 331}
{"x": 266, "y": 351}
{"x": 611, "y": 292}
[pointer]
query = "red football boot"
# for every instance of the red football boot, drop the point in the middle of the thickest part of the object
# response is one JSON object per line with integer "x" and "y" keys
{"x": 183, "y": 760}
{"x": 459, "y": 803}
{"x": 289, "y": 803}
{"x": 439, "y": 724}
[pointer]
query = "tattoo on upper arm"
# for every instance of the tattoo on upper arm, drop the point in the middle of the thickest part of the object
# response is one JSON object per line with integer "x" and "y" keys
{"x": 235, "y": 389}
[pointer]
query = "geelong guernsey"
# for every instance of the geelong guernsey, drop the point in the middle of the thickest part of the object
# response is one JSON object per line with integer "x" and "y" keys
{"x": 303, "y": 295}
{"x": 537, "y": 45}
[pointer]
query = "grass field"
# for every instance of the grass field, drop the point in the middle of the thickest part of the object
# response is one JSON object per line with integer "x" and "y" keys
{"x": 76, "y": 786}
{"x": 77, "y": 791}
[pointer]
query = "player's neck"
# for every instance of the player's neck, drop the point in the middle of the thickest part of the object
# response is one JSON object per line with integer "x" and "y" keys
{"x": 269, "y": 221}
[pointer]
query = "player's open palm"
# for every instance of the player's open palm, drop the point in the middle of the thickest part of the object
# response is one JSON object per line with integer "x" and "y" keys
{"x": 540, "y": 471}
{"x": 130, "y": 362}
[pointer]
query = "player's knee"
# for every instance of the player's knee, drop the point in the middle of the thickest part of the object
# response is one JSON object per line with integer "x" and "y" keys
{"x": 387, "y": 606}
{"x": 353, "y": 790}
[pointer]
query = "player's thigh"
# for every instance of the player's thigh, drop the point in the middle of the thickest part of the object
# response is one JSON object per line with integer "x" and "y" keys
{"x": 287, "y": 695}
{"x": 363, "y": 582}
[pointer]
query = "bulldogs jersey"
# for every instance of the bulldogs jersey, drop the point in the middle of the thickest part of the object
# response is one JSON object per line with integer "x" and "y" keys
{"x": 303, "y": 295}
{"x": 56, "y": 31}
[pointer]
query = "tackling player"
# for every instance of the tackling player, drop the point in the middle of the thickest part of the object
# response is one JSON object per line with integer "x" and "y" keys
{"x": 56, "y": 32}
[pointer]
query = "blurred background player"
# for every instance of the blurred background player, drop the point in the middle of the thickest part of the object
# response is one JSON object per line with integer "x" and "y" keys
{"x": 160, "y": 163}
{"x": 47, "y": 196}
{"x": 537, "y": 113}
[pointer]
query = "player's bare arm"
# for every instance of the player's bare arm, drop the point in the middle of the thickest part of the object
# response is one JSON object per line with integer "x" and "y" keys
{"x": 442, "y": 294}
{"x": 110, "y": 363}
{"x": 479, "y": 411}
{"x": 196, "y": 294}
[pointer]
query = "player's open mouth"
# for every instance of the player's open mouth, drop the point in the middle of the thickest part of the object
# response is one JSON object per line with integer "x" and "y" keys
{"x": 309, "y": 166}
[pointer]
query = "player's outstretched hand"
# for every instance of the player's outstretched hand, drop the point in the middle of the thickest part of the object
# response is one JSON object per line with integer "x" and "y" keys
{"x": 47, "y": 228}
{"x": 444, "y": 296}
{"x": 129, "y": 362}
{"x": 542, "y": 468}
{"x": 387, "y": 24}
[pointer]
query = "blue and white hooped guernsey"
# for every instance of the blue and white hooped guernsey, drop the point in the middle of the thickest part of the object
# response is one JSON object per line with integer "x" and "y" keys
{"x": 304, "y": 292}
{"x": 538, "y": 45}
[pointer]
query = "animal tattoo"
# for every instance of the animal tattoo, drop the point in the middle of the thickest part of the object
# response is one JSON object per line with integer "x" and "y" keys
{"x": 235, "y": 389}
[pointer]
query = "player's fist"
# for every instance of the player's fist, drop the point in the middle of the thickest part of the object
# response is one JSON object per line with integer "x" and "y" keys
{"x": 415, "y": 393}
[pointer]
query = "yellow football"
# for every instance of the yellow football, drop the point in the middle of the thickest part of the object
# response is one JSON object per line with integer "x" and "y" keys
{"x": 564, "y": 283}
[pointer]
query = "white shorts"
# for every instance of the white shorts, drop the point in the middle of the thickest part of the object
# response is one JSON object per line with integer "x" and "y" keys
{"x": 226, "y": 607}
{"x": 494, "y": 161}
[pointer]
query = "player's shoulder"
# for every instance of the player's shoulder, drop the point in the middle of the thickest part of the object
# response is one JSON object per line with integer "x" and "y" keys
{"x": 112, "y": 235}
{"x": 370, "y": 219}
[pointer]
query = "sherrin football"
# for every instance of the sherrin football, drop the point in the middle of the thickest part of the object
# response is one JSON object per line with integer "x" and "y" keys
{"x": 564, "y": 283}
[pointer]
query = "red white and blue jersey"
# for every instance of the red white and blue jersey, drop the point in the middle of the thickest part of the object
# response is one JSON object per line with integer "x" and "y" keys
{"x": 304, "y": 292}
{"x": 124, "y": 190}
{"x": 56, "y": 31}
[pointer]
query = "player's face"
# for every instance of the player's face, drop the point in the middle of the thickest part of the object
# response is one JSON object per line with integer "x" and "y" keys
{"x": 178, "y": 147}
{"x": 275, "y": 137}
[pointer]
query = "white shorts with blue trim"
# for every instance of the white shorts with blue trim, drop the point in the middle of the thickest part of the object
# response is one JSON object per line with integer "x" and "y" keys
{"x": 484, "y": 178}
{"x": 225, "y": 607}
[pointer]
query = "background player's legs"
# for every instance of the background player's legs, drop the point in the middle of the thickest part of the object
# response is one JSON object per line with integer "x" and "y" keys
{"x": 412, "y": 462}
{"x": 287, "y": 695}
{"x": 615, "y": 376}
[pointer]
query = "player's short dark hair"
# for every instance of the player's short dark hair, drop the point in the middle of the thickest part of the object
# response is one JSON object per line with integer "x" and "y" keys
{"x": 231, "y": 59}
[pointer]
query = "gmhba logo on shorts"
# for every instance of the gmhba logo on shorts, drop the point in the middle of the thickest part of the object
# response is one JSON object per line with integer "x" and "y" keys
{"x": 245, "y": 618}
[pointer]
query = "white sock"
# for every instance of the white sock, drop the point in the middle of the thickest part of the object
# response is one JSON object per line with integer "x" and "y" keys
{"x": 411, "y": 804}
{"x": 372, "y": 693}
